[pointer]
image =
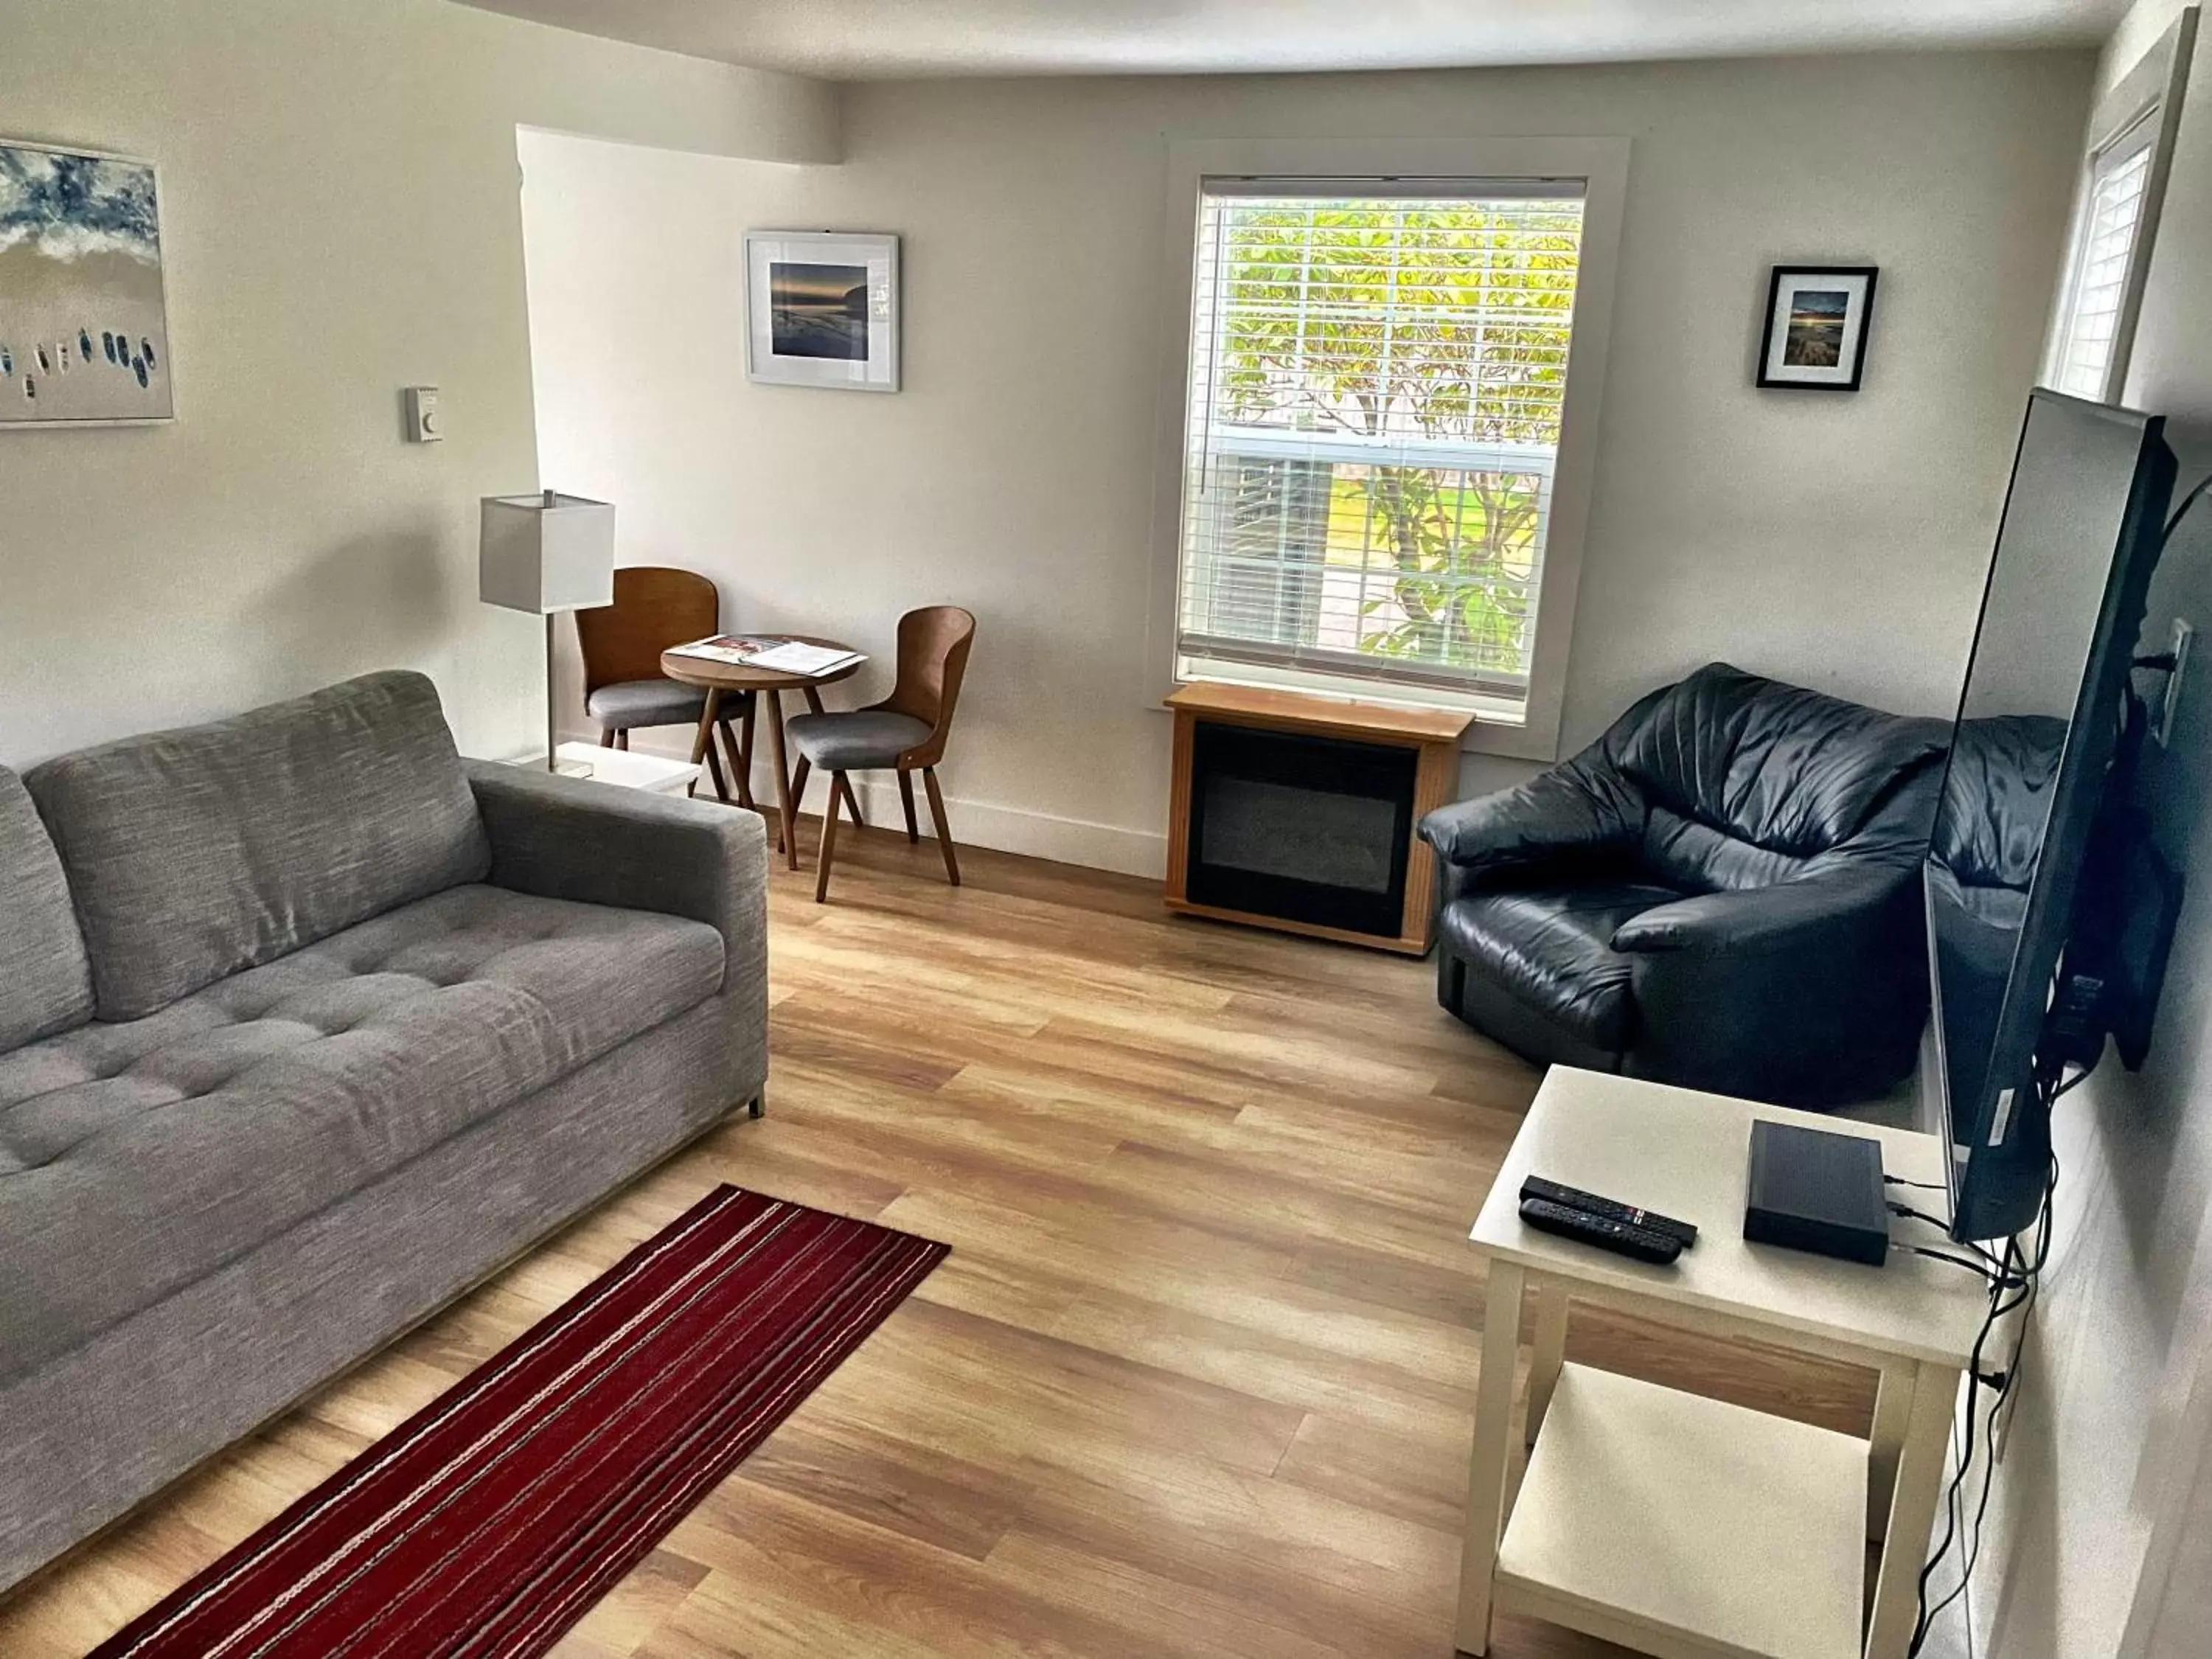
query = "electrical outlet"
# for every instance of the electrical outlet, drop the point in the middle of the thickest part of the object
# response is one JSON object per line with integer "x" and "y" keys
{"x": 2169, "y": 705}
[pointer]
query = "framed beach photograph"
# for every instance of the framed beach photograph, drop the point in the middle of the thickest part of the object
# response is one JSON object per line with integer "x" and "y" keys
{"x": 821, "y": 309}
{"x": 1817, "y": 318}
{"x": 84, "y": 337}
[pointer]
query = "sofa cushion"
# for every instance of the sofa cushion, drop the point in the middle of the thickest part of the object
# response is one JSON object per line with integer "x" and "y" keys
{"x": 46, "y": 985}
{"x": 136, "y": 1158}
{"x": 1552, "y": 949}
{"x": 194, "y": 853}
{"x": 1787, "y": 769}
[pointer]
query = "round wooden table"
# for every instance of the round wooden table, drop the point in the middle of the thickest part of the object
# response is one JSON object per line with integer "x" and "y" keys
{"x": 723, "y": 679}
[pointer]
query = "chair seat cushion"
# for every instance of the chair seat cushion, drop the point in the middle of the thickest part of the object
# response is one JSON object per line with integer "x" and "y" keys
{"x": 646, "y": 702}
{"x": 136, "y": 1158}
{"x": 855, "y": 742}
{"x": 1552, "y": 949}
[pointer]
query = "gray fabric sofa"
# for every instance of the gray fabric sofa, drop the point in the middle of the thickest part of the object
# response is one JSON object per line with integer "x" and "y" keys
{"x": 305, "y": 1026}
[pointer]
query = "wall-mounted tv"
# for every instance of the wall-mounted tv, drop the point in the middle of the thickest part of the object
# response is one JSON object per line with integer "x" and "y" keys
{"x": 2037, "y": 725}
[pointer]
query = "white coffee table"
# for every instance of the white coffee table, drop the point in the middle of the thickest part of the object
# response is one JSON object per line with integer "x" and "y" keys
{"x": 627, "y": 769}
{"x": 1668, "y": 1522}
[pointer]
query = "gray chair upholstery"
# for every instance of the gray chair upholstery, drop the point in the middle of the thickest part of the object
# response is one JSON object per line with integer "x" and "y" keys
{"x": 862, "y": 740}
{"x": 371, "y": 1020}
{"x": 645, "y": 703}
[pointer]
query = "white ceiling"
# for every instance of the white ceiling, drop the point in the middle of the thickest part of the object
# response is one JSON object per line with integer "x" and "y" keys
{"x": 886, "y": 39}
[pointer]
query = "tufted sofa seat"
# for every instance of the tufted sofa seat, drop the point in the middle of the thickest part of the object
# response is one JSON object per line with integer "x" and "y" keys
{"x": 305, "y": 1026}
{"x": 342, "y": 1061}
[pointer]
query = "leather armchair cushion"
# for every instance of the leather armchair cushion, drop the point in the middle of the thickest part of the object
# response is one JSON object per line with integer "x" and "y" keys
{"x": 1788, "y": 770}
{"x": 1552, "y": 949}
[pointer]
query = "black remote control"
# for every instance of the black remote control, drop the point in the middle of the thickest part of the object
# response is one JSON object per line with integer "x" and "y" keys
{"x": 1641, "y": 1242}
{"x": 1608, "y": 1209}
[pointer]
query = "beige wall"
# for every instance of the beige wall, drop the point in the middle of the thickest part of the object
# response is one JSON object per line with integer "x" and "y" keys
{"x": 1837, "y": 540}
{"x": 2103, "y": 1507}
{"x": 341, "y": 219}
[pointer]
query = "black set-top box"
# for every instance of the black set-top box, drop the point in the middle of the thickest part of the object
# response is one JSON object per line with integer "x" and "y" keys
{"x": 1814, "y": 1190}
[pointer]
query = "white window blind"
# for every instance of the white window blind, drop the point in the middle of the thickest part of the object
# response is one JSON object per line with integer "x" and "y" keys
{"x": 2103, "y": 262}
{"x": 1378, "y": 371}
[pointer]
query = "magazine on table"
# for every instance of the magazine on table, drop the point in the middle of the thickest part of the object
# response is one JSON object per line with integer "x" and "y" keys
{"x": 774, "y": 653}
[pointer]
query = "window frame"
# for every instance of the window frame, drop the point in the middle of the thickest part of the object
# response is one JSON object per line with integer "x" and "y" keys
{"x": 1601, "y": 166}
{"x": 2142, "y": 111}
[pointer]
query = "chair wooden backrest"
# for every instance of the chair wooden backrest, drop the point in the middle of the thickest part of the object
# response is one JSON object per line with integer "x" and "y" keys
{"x": 933, "y": 643}
{"x": 654, "y": 608}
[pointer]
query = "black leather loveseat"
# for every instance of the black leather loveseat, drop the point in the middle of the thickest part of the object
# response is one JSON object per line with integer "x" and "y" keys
{"x": 1722, "y": 892}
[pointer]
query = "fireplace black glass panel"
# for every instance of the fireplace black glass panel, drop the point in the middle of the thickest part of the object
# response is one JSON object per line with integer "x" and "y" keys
{"x": 1304, "y": 829}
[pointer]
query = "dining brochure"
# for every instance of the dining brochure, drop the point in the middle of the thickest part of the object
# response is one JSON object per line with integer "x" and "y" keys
{"x": 771, "y": 652}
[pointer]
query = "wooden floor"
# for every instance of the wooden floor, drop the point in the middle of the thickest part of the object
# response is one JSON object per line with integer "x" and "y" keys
{"x": 1197, "y": 1377}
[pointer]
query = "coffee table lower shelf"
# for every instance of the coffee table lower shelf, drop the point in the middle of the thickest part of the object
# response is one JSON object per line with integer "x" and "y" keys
{"x": 1688, "y": 1529}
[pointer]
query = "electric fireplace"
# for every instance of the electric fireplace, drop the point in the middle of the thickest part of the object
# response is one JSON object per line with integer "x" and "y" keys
{"x": 1297, "y": 812}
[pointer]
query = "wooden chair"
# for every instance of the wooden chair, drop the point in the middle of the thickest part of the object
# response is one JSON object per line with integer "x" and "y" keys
{"x": 905, "y": 732}
{"x": 624, "y": 687}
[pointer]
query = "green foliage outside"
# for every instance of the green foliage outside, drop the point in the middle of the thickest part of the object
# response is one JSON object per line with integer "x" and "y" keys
{"x": 1377, "y": 318}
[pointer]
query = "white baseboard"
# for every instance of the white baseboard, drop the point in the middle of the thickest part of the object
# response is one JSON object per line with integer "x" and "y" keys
{"x": 985, "y": 823}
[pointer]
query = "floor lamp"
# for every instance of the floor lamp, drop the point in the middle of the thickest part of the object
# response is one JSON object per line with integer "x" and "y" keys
{"x": 545, "y": 555}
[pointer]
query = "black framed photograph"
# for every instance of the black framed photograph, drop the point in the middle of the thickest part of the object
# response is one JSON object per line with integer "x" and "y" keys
{"x": 1817, "y": 321}
{"x": 822, "y": 309}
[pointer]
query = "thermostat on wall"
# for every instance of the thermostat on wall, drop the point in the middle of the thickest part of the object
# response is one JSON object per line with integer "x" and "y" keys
{"x": 422, "y": 422}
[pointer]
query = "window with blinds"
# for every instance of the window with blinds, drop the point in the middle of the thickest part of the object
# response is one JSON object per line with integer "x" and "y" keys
{"x": 2086, "y": 361}
{"x": 1377, "y": 376}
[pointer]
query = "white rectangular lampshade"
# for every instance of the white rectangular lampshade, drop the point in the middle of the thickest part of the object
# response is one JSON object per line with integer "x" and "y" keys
{"x": 546, "y": 553}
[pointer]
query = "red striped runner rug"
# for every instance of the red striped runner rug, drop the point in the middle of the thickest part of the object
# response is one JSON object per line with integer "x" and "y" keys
{"x": 489, "y": 1521}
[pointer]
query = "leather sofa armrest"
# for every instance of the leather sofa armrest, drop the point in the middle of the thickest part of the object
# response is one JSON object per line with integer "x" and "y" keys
{"x": 1811, "y": 993}
{"x": 1571, "y": 813}
{"x": 1820, "y": 908}
{"x": 570, "y": 838}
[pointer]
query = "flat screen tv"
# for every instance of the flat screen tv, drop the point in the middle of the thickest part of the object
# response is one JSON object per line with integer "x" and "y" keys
{"x": 2037, "y": 725}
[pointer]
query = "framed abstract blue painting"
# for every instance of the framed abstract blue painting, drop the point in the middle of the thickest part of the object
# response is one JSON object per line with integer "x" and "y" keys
{"x": 84, "y": 336}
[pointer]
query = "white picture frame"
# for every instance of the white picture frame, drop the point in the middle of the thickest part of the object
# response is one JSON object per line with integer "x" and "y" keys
{"x": 821, "y": 309}
{"x": 74, "y": 264}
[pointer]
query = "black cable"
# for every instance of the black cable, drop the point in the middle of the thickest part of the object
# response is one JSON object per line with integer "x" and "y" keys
{"x": 1992, "y": 1268}
{"x": 1925, "y": 1186}
{"x": 2004, "y": 1387}
{"x": 1998, "y": 1280}
{"x": 1951, "y": 1525}
{"x": 2173, "y": 519}
{"x": 2024, "y": 1280}
{"x": 2003, "y": 1391}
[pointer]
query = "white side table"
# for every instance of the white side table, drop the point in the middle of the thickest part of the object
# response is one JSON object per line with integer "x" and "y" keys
{"x": 1674, "y": 1524}
{"x": 625, "y": 767}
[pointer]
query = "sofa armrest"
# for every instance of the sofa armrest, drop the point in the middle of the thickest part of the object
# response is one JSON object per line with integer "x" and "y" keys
{"x": 570, "y": 838}
{"x": 1569, "y": 814}
{"x": 1811, "y": 992}
{"x": 1825, "y": 909}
